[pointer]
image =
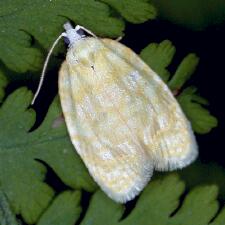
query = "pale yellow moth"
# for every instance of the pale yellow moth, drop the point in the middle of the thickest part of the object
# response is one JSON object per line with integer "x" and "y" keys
{"x": 122, "y": 119}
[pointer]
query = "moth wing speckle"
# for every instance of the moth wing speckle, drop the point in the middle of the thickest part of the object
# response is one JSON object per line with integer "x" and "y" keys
{"x": 121, "y": 117}
{"x": 167, "y": 134}
{"x": 113, "y": 157}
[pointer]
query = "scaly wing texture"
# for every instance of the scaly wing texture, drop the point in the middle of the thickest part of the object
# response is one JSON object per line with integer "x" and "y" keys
{"x": 121, "y": 117}
{"x": 167, "y": 134}
{"x": 114, "y": 158}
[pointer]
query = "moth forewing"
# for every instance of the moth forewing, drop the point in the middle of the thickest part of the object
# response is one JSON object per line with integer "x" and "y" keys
{"x": 122, "y": 118}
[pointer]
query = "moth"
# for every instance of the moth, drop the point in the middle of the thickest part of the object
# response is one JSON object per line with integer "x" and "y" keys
{"x": 122, "y": 119}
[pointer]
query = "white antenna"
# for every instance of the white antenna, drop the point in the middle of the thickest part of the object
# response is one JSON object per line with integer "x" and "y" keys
{"x": 78, "y": 27}
{"x": 73, "y": 36}
{"x": 45, "y": 66}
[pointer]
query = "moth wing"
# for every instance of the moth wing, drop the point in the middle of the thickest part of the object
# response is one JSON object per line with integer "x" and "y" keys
{"x": 164, "y": 131}
{"x": 109, "y": 149}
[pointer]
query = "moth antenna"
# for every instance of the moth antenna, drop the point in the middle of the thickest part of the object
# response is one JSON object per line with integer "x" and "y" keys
{"x": 88, "y": 31}
{"x": 45, "y": 66}
{"x": 85, "y": 29}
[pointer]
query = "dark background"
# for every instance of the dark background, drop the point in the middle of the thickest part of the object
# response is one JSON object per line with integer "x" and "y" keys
{"x": 209, "y": 45}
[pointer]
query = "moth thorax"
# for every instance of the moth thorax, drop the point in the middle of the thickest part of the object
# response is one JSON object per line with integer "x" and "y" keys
{"x": 73, "y": 35}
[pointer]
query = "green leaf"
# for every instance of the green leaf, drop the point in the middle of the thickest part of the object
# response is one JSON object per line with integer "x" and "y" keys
{"x": 134, "y": 11}
{"x": 184, "y": 71}
{"x": 201, "y": 119}
{"x": 102, "y": 210}
{"x": 21, "y": 19}
{"x": 210, "y": 13}
{"x": 158, "y": 200}
{"x": 219, "y": 220}
{"x": 158, "y": 204}
{"x": 21, "y": 172}
{"x": 3, "y": 84}
{"x": 64, "y": 209}
{"x": 7, "y": 217}
{"x": 204, "y": 174}
{"x": 199, "y": 207}
{"x": 158, "y": 57}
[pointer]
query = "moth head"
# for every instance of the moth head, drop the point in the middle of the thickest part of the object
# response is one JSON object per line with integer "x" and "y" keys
{"x": 72, "y": 35}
